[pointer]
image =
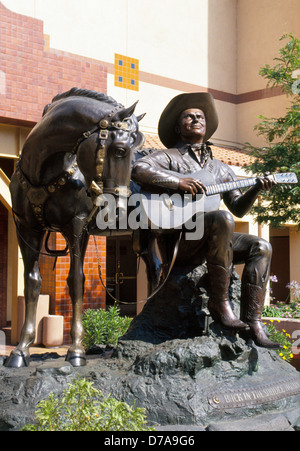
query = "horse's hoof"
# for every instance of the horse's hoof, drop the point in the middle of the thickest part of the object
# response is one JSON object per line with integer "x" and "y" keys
{"x": 17, "y": 361}
{"x": 75, "y": 359}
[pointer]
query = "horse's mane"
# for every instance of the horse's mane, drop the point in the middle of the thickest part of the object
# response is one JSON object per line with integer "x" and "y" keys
{"x": 76, "y": 92}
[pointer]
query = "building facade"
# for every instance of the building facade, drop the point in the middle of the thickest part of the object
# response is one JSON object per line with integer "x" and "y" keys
{"x": 136, "y": 50}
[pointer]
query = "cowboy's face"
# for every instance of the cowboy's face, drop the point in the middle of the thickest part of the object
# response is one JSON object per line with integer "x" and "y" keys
{"x": 191, "y": 126}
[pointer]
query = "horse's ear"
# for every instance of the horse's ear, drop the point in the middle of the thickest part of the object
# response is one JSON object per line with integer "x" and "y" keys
{"x": 139, "y": 142}
{"x": 125, "y": 112}
{"x": 46, "y": 109}
{"x": 139, "y": 118}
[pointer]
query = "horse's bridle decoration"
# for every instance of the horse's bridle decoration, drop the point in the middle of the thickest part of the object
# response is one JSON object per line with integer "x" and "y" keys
{"x": 105, "y": 127}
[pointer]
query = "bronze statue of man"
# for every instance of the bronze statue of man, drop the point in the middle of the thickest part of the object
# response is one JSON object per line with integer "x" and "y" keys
{"x": 185, "y": 127}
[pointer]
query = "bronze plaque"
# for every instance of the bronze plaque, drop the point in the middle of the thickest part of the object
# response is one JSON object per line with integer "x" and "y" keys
{"x": 255, "y": 394}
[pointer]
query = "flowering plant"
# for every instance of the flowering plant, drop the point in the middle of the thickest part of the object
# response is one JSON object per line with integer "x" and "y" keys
{"x": 284, "y": 339}
{"x": 284, "y": 309}
{"x": 295, "y": 290}
{"x": 273, "y": 279}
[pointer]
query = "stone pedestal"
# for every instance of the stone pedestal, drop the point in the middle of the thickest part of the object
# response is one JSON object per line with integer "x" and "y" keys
{"x": 213, "y": 382}
{"x": 208, "y": 380}
{"x": 179, "y": 310}
{"x": 177, "y": 367}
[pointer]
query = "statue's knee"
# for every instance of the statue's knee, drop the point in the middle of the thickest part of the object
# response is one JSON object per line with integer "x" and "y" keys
{"x": 261, "y": 248}
{"x": 224, "y": 221}
{"x": 265, "y": 248}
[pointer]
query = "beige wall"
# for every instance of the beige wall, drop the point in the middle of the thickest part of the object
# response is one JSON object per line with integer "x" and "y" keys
{"x": 222, "y": 45}
{"x": 191, "y": 42}
{"x": 248, "y": 117}
{"x": 196, "y": 44}
{"x": 260, "y": 25}
{"x": 155, "y": 31}
{"x": 11, "y": 140}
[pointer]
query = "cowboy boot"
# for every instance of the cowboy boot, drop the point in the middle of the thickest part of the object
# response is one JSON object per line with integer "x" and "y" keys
{"x": 218, "y": 304}
{"x": 252, "y": 304}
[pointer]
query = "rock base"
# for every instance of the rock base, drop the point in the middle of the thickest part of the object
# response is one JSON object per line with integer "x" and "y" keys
{"x": 179, "y": 309}
{"x": 189, "y": 375}
{"x": 207, "y": 383}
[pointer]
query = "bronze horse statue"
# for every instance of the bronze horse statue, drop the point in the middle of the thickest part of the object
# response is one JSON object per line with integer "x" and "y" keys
{"x": 80, "y": 149}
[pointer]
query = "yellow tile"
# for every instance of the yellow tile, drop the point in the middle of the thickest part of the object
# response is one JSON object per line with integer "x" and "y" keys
{"x": 128, "y": 70}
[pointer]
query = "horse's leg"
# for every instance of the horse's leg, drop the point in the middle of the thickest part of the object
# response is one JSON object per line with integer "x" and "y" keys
{"x": 77, "y": 240}
{"x": 30, "y": 250}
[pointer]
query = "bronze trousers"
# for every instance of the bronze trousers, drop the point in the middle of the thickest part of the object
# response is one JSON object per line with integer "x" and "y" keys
{"x": 220, "y": 245}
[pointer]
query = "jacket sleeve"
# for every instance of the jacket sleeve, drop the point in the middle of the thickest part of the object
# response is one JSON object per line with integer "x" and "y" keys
{"x": 237, "y": 202}
{"x": 155, "y": 171}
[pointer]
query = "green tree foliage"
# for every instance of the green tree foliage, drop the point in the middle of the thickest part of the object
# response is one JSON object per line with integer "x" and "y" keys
{"x": 282, "y": 136}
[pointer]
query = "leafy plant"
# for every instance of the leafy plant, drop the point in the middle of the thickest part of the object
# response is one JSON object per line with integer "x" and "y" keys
{"x": 104, "y": 327}
{"x": 82, "y": 407}
{"x": 282, "y": 137}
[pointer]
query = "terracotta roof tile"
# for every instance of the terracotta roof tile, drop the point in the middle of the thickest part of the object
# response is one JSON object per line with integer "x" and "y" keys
{"x": 230, "y": 156}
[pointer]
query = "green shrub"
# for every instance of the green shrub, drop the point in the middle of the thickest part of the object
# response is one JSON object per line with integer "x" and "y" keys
{"x": 82, "y": 407}
{"x": 104, "y": 327}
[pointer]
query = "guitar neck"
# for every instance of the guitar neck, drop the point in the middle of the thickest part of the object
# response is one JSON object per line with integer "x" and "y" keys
{"x": 230, "y": 186}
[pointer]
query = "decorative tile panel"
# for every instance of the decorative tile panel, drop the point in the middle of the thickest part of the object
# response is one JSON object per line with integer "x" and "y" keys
{"x": 126, "y": 72}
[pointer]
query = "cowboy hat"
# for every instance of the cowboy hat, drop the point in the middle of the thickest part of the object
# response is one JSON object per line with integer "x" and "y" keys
{"x": 202, "y": 100}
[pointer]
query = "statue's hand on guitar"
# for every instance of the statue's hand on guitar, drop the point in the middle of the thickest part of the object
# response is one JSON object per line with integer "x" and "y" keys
{"x": 191, "y": 186}
{"x": 267, "y": 182}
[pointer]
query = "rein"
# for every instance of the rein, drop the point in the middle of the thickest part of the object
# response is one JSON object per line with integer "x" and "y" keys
{"x": 159, "y": 287}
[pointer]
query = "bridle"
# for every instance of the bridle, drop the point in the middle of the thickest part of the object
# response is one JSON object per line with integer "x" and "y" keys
{"x": 104, "y": 128}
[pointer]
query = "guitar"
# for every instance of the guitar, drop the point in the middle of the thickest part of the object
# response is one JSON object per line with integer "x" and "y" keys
{"x": 166, "y": 211}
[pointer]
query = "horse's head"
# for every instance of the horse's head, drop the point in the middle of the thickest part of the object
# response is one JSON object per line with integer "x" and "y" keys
{"x": 124, "y": 138}
{"x": 105, "y": 156}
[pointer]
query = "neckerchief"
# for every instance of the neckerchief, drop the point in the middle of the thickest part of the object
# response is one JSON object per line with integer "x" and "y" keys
{"x": 203, "y": 152}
